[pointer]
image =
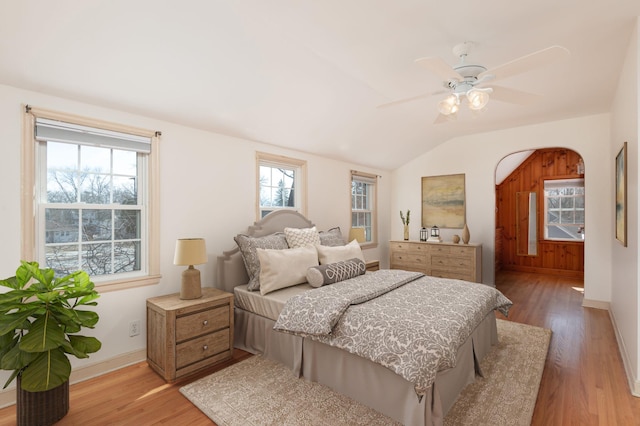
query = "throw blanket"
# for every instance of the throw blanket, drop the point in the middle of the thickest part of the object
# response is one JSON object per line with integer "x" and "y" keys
{"x": 410, "y": 323}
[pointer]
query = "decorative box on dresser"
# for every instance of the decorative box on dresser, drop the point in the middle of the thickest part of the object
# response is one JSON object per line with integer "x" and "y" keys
{"x": 446, "y": 260}
{"x": 184, "y": 336}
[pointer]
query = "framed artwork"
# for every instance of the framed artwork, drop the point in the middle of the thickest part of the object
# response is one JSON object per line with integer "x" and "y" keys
{"x": 621, "y": 195}
{"x": 443, "y": 201}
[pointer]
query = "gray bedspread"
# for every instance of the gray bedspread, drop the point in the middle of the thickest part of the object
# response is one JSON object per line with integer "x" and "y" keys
{"x": 408, "y": 322}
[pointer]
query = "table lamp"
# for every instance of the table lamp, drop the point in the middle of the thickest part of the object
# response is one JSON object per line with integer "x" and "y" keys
{"x": 357, "y": 234}
{"x": 190, "y": 251}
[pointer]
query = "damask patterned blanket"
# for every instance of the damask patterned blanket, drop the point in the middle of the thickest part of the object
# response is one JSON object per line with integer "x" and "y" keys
{"x": 408, "y": 322}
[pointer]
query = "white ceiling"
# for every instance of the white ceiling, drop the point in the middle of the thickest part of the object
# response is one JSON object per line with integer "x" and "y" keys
{"x": 309, "y": 75}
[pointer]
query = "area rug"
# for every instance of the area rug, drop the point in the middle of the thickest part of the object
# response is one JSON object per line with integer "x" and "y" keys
{"x": 257, "y": 391}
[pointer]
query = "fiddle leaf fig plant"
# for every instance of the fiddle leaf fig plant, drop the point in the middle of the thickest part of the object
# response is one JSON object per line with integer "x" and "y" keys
{"x": 40, "y": 317}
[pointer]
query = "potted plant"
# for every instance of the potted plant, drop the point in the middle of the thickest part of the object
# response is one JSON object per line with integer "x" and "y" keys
{"x": 405, "y": 222}
{"x": 39, "y": 318}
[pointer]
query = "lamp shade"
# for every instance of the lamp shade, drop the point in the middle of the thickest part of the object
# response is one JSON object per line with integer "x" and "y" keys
{"x": 478, "y": 98}
{"x": 449, "y": 105}
{"x": 190, "y": 251}
{"x": 357, "y": 234}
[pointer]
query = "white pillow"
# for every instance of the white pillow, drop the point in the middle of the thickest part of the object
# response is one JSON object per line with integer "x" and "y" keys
{"x": 300, "y": 237}
{"x": 285, "y": 268}
{"x": 336, "y": 254}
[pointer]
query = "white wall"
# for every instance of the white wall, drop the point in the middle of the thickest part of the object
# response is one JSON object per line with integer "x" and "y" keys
{"x": 207, "y": 190}
{"x": 625, "y": 281}
{"x": 477, "y": 157}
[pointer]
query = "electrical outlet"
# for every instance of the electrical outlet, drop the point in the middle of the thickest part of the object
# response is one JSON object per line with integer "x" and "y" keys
{"x": 134, "y": 328}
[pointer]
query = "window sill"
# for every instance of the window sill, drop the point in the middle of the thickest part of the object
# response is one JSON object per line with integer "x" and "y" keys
{"x": 124, "y": 284}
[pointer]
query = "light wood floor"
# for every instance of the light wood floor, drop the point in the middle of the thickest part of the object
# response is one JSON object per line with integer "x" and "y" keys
{"x": 583, "y": 381}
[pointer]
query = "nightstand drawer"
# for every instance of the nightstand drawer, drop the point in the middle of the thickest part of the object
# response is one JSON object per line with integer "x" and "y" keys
{"x": 200, "y": 323}
{"x": 203, "y": 347}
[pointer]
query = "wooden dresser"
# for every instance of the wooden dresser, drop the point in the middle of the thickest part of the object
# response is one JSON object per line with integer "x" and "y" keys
{"x": 184, "y": 336}
{"x": 446, "y": 260}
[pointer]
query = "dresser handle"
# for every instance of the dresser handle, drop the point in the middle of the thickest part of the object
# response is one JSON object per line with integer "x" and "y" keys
{"x": 205, "y": 322}
{"x": 205, "y": 347}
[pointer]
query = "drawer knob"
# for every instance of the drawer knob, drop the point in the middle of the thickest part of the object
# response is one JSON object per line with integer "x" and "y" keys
{"x": 205, "y": 347}
{"x": 205, "y": 322}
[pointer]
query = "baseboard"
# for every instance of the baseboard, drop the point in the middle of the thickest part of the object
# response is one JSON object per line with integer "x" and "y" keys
{"x": 8, "y": 396}
{"x": 634, "y": 384}
{"x": 597, "y": 304}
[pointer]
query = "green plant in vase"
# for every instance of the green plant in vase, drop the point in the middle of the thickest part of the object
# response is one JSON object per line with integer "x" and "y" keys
{"x": 40, "y": 317}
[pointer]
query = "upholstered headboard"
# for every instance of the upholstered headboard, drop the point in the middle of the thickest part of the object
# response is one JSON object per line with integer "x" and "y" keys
{"x": 230, "y": 266}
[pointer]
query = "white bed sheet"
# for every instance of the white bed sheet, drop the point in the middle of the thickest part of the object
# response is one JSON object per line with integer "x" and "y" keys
{"x": 270, "y": 305}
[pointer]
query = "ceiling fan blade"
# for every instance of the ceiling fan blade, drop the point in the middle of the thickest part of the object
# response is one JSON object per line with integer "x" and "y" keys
{"x": 528, "y": 62}
{"x": 513, "y": 96}
{"x": 412, "y": 98}
{"x": 440, "y": 68}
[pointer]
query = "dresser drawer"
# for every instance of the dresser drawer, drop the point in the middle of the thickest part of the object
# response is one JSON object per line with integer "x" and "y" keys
{"x": 412, "y": 248}
{"x": 402, "y": 260}
{"x": 453, "y": 251}
{"x": 451, "y": 262}
{"x": 446, "y": 273}
{"x": 202, "y": 347}
{"x": 200, "y": 323}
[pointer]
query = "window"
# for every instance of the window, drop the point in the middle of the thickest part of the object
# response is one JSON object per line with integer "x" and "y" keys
{"x": 564, "y": 209}
{"x": 363, "y": 204}
{"x": 281, "y": 184}
{"x": 94, "y": 205}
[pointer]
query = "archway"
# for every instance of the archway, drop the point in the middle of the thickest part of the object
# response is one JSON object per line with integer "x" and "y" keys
{"x": 540, "y": 212}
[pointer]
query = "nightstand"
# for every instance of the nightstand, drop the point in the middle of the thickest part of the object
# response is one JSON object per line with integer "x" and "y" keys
{"x": 185, "y": 336}
{"x": 373, "y": 265}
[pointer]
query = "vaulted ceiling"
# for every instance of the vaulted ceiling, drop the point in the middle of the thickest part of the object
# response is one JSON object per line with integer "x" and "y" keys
{"x": 310, "y": 75}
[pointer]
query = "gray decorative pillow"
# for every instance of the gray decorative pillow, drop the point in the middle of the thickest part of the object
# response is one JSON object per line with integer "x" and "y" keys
{"x": 248, "y": 246}
{"x": 330, "y": 273}
{"x": 332, "y": 237}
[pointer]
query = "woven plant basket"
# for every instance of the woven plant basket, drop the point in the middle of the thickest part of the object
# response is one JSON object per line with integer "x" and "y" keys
{"x": 41, "y": 408}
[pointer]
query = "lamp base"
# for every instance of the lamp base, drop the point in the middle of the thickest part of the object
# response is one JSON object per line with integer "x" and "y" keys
{"x": 190, "y": 288}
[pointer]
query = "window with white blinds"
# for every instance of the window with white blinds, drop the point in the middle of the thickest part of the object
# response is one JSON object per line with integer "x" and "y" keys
{"x": 363, "y": 204}
{"x": 93, "y": 203}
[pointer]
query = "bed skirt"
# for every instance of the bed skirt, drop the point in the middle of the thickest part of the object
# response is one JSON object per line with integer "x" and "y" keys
{"x": 365, "y": 381}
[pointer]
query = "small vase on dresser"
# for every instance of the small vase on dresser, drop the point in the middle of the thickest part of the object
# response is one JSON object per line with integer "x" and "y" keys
{"x": 465, "y": 234}
{"x": 406, "y": 232}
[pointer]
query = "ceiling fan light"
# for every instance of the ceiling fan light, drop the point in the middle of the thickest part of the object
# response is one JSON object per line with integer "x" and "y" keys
{"x": 449, "y": 105}
{"x": 478, "y": 99}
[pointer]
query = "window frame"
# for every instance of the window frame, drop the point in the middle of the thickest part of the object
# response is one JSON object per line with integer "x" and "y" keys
{"x": 29, "y": 204}
{"x": 369, "y": 179}
{"x": 300, "y": 179}
{"x": 545, "y": 223}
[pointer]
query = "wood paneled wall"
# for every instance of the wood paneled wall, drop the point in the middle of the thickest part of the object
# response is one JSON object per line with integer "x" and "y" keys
{"x": 559, "y": 257}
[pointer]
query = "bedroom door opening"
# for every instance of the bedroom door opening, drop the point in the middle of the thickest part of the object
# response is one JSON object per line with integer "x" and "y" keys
{"x": 540, "y": 212}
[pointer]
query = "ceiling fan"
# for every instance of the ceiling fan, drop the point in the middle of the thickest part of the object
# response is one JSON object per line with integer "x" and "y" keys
{"x": 466, "y": 81}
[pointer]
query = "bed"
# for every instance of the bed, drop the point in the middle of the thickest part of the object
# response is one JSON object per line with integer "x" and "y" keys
{"x": 318, "y": 359}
